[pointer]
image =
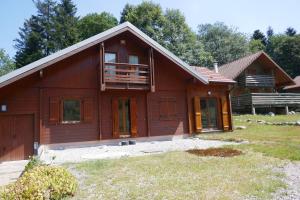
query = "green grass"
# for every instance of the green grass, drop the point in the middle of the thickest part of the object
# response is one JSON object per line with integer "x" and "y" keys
{"x": 180, "y": 175}
{"x": 277, "y": 141}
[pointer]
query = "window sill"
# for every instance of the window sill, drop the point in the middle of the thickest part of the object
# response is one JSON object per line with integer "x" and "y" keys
{"x": 71, "y": 122}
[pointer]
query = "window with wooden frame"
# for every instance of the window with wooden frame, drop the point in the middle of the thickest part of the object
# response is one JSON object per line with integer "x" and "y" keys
{"x": 70, "y": 110}
{"x": 167, "y": 108}
{"x": 132, "y": 59}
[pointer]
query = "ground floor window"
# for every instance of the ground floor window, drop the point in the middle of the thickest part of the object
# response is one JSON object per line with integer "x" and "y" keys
{"x": 71, "y": 111}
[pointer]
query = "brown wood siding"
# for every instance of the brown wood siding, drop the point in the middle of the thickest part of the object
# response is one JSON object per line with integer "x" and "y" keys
{"x": 78, "y": 77}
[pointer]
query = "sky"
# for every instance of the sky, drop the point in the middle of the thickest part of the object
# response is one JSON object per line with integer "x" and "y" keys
{"x": 246, "y": 15}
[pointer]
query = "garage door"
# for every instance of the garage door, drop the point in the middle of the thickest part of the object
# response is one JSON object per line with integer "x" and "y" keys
{"x": 16, "y": 137}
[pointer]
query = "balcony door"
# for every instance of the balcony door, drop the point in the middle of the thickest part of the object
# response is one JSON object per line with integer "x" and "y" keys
{"x": 209, "y": 113}
{"x": 124, "y": 111}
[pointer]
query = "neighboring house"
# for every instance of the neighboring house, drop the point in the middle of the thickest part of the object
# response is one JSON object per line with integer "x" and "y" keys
{"x": 293, "y": 88}
{"x": 117, "y": 84}
{"x": 259, "y": 80}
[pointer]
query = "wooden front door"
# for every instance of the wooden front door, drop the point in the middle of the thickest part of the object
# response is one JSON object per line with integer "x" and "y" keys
{"x": 16, "y": 137}
{"x": 124, "y": 117}
{"x": 209, "y": 113}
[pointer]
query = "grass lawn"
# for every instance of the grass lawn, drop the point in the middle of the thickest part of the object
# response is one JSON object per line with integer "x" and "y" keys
{"x": 181, "y": 175}
{"x": 277, "y": 141}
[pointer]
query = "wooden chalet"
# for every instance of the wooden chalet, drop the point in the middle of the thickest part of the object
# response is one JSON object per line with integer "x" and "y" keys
{"x": 118, "y": 84}
{"x": 259, "y": 82}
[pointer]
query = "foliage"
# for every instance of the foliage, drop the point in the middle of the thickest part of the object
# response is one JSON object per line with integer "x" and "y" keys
{"x": 170, "y": 29}
{"x": 290, "y": 31}
{"x": 51, "y": 29}
{"x": 285, "y": 51}
{"x": 65, "y": 25}
{"x": 42, "y": 182}
{"x": 258, "y": 35}
{"x": 6, "y": 64}
{"x": 147, "y": 16}
{"x": 256, "y": 45}
{"x": 33, "y": 162}
{"x": 225, "y": 44}
{"x": 94, "y": 23}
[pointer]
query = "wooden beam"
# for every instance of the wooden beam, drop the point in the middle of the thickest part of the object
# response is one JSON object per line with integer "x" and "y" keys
{"x": 151, "y": 64}
{"x": 101, "y": 67}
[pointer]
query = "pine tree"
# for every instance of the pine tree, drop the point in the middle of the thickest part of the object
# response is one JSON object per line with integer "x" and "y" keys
{"x": 65, "y": 24}
{"x": 290, "y": 31}
{"x": 258, "y": 35}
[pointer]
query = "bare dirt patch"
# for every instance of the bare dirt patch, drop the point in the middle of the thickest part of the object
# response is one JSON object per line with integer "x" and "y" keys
{"x": 218, "y": 152}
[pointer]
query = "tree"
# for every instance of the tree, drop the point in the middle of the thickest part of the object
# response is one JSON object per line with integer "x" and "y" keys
{"x": 180, "y": 40}
{"x": 54, "y": 27}
{"x": 147, "y": 16}
{"x": 256, "y": 45}
{"x": 65, "y": 25}
{"x": 94, "y": 23}
{"x": 225, "y": 44}
{"x": 258, "y": 35}
{"x": 6, "y": 64}
{"x": 285, "y": 51}
{"x": 290, "y": 31}
{"x": 270, "y": 32}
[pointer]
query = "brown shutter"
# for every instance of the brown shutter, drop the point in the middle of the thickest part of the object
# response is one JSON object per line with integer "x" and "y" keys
{"x": 115, "y": 116}
{"x": 133, "y": 117}
{"x": 54, "y": 105}
{"x": 88, "y": 110}
{"x": 197, "y": 110}
{"x": 225, "y": 113}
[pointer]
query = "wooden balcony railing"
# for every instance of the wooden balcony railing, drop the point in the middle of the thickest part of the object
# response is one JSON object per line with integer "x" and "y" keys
{"x": 265, "y": 99}
{"x": 126, "y": 73}
{"x": 257, "y": 81}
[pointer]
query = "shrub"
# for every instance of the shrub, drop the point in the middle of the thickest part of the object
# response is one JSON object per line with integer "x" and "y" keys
{"x": 42, "y": 182}
{"x": 33, "y": 162}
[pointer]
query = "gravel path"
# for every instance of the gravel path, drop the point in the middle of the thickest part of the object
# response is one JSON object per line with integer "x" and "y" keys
{"x": 292, "y": 179}
{"x": 141, "y": 148}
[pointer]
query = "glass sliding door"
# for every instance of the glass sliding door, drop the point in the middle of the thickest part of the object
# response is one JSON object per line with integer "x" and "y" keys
{"x": 209, "y": 113}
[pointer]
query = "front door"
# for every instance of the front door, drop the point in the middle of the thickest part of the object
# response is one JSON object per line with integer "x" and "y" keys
{"x": 124, "y": 117}
{"x": 209, "y": 113}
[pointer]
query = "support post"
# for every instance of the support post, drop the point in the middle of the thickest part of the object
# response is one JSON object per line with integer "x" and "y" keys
{"x": 253, "y": 110}
{"x": 101, "y": 66}
{"x": 286, "y": 110}
{"x": 151, "y": 65}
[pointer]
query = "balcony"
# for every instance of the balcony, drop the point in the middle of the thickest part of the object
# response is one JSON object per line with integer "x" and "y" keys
{"x": 257, "y": 81}
{"x": 265, "y": 100}
{"x": 126, "y": 76}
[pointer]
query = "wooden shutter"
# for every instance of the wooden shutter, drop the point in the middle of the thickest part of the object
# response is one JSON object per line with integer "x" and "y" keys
{"x": 133, "y": 117}
{"x": 88, "y": 110}
{"x": 225, "y": 113}
{"x": 54, "y": 105}
{"x": 197, "y": 110}
{"x": 115, "y": 116}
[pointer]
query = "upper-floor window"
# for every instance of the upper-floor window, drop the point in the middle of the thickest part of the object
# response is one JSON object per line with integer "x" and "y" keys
{"x": 133, "y": 59}
{"x": 110, "y": 58}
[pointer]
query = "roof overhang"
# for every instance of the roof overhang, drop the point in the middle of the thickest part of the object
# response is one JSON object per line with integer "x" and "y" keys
{"x": 92, "y": 41}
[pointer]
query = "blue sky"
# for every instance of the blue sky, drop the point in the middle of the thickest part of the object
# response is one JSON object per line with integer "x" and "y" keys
{"x": 246, "y": 15}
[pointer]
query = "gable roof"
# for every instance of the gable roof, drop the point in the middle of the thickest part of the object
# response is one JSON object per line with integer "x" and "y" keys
{"x": 212, "y": 76}
{"x": 69, "y": 51}
{"x": 234, "y": 69}
{"x": 297, "y": 84}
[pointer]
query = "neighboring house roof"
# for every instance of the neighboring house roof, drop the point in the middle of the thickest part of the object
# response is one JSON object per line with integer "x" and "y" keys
{"x": 67, "y": 52}
{"x": 297, "y": 84}
{"x": 234, "y": 69}
{"x": 213, "y": 76}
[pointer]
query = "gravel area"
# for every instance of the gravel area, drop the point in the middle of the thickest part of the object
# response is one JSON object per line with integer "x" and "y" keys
{"x": 292, "y": 179}
{"x": 115, "y": 151}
